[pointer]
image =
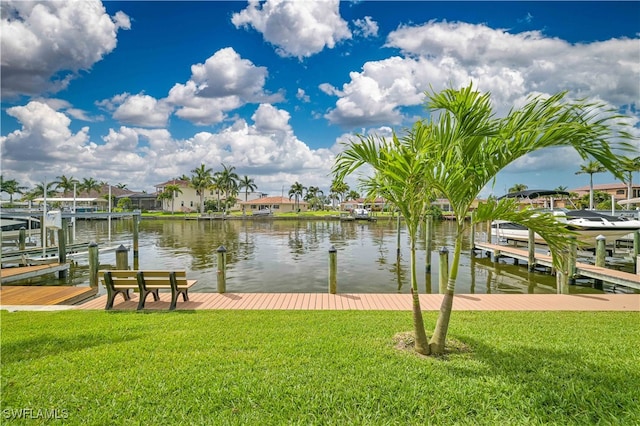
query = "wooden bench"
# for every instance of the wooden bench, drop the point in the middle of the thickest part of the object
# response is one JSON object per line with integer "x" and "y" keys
{"x": 147, "y": 282}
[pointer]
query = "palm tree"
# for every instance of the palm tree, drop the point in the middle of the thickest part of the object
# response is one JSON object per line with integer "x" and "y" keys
{"x": 399, "y": 168}
{"x": 66, "y": 183}
{"x": 39, "y": 190}
{"x": 313, "y": 197}
{"x": 462, "y": 150}
{"x": 164, "y": 195}
{"x": 121, "y": 185}
{"x": 630, "y": 165}
{"x": 201, "y": 181}
{"x": 172, "y": 189}
{"x": 296, "y": 191}
{"x": 339, "y": 188}
{"x": 518, "y": 187}
{"x": 591, "y": 168}
{"x": 352, "y": 195}
{"x": 248, "y": 184}
{"x": 469, "y": 147}
{"x": 89, "y": 184}
{"x": 228, "y": 181}
{"x": 11, "y": 187}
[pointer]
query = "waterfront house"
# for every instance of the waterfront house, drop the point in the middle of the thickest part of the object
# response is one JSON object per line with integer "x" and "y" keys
{"x": 274, "y": 204}
{"x": 618, "y": 190}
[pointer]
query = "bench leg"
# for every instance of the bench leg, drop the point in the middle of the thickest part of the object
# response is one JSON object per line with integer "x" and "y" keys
{"x": 174, "y": 297}
{"x": 111, "y": 297}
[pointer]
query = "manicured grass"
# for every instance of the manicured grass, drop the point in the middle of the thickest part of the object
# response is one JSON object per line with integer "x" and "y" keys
{"x": 319, "y": 367}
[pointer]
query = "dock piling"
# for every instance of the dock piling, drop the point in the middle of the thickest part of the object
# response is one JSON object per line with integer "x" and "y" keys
{"x": 62, "y": 248}
{"x": 333, "y": 270}
{"x": 601, "y": 251}
{"x": 222, "y": 269}
{"x": 122, "y": 258}
{"x": 94, "y": 264}
{"x": 443, "y": 275}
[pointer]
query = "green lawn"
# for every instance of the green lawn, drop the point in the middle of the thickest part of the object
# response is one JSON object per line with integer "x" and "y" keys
{"x": 318, "y": 367}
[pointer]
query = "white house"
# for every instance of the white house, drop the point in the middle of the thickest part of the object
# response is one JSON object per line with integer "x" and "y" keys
{"x": 188, "y": 200}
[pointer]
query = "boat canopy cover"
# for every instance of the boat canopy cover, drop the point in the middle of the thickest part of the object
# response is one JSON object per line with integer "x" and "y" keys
{"x": 534, "y": 193}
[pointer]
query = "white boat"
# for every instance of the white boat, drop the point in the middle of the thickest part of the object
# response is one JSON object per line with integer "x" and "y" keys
{"x": 587, "y": 224}
{"x": 361, "y": 213}
{"x": 10, "y": 226}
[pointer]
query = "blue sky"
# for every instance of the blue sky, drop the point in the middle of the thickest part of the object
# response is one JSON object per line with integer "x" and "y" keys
{"x": 142, "y": 92}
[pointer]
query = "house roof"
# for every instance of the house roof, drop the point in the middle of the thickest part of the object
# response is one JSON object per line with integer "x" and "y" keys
{"x": 104, "y": 190}
{"x": 179, "y": 182}
{"x": 272, "y": 200}
{"x": 604, "y": 187}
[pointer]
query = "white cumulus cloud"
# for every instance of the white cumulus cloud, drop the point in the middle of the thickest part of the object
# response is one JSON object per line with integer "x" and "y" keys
{"x": 297, "y": 28}
{"x": 45, "y": 44}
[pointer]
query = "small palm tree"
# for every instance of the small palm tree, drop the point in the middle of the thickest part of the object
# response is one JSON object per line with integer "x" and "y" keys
{"x": 172, "y": 190}
{"x": 399, "y": 168}
{"x": 591, "y": 168}
{"x": 339, "y": 188}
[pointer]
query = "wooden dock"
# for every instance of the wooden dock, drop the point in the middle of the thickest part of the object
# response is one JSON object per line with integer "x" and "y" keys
{"x": 582, "y": 269}
{"x": 37, "y": 295}
{"x": 379, "y": 302}
{"x": 8, "y": 275}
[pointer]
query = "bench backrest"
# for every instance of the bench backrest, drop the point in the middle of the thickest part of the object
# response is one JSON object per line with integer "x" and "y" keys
{"x": 119, "y": 277}
{"x": 144, "y": 278}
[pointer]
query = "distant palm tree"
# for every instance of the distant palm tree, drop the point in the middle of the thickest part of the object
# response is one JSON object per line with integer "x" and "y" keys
{"x": 11, "y": 187}
{"x": 66, "y": 183}
{"x": 339, "y": 188}
{"x": 352, "y": 195}
{"x": 228, "y": 181}
{"x": 518, "y": 187}
{"x": 630, "y": 165}
{"x": 296, "y": 191}
{"x": 121, "y": 186}
{"x": 248, "y": 184}
{"x": 172, "y": 190}
{"x": 89, "y": 184}
{"x": 591, "y": 168}
{"x": 39, "y": 190}
{"x": 201, "y": 181}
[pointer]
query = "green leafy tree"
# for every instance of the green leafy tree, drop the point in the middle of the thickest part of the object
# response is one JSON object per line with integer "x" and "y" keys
{"x": 125, "y": 203}
{"x": 201, "y": 181}
{"x": 296, "y": 192}
{"x": 591, "y": 168}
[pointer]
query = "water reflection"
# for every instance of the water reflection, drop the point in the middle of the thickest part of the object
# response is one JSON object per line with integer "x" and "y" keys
{"x": 292, "y": 256}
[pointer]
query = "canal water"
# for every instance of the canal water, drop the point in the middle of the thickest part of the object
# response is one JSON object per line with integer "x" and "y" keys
{"x": 267, "y": 255}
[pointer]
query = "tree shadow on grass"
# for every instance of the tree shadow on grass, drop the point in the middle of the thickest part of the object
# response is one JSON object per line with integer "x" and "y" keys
{"x": 31, "y": 348}
{"x": 558, "y": 383}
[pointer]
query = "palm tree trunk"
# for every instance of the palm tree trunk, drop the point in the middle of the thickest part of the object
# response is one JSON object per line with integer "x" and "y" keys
{"x": 421, "y": 344}
{"x": 438, "y": 340}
